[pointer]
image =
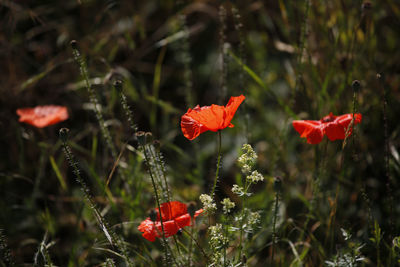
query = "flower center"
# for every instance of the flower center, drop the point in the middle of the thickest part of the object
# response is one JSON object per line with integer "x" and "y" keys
{"x": 328, "y": 118}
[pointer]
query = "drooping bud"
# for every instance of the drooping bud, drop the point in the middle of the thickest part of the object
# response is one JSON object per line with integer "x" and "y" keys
{"x": 74, "y": 44}
{"x": 149, "y": 137}
{"x": 141, "y": 137}
{"x": 356, "y": 85}
{"x": 278, "y": 184}
{"x": 118, "y": 85}
{"x": 63, "y": 134}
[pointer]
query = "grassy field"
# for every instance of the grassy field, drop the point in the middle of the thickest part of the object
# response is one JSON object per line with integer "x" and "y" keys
{"x": 127, "y": 71}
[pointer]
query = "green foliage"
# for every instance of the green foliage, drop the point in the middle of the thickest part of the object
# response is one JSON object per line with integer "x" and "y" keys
{"x": 78, "y": 201}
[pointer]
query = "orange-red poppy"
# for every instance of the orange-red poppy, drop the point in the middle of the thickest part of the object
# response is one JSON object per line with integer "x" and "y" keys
{"x": 209, "y": 118}
{"x": 174, "y": 216}
{"x": 42, "y": 116}
{"x": 334, "y": 127}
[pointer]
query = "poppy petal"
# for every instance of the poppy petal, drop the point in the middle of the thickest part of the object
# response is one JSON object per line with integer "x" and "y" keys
{"x": 42, "y": 116}
{"x": 173, "y": 209}
{"x": 183, "y": 220}
{"x": 315, "y": 136}
{"x": 346, "y": 119}
{"x": 147, "y": 228}
{"x": 334, "y": 131}
{"x": 231, "y": 108}
{"x": 209, "y": 118}
{"x": 170, "y": 228}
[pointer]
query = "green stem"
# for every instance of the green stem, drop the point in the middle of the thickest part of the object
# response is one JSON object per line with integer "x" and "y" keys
{"x": 166, "y": 247}
{"x": 218, "y": 163}
{"x": 244, "y": 198}
{"x": 274, "y": 227}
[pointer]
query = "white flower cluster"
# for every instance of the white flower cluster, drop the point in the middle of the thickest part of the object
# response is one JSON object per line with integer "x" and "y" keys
{"x": 255, "y": 177}
{"x": 208, "y": 203}
{"x": 254, "y": 218}
{"x": 227, "y": 205}
{"x": 238, "y": 190}
{"x": 248, "y": 158}
{"x": 217, "y": 238}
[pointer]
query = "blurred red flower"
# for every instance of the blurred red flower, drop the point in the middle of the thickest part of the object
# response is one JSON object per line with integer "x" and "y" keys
{"x": 334, "y": 127}
{"x": 42, "y": 116}
{"x": 174, "y": 216}
{"x": 209, "y": 118}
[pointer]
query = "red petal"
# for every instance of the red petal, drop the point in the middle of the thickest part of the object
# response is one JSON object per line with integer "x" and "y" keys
{"x": 170, "y": 228}
{"x": 147, "y": 228}
{"x": 173, "y": 209}
{"x": 209, "y": 118}
{"x": 231, "y": 107}
{"x": 344, "y": 121}
{"x": 309, "y": 129}
{"x": 183, "y": 220}
{"x": 42, "y": 116}
{"x": 315, "y": 136}
{"x": 334, "y": 131}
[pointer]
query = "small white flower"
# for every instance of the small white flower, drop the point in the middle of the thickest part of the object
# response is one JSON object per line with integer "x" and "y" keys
{"x": 255, "y": 177}
{"x": 208, "y": 203}
{"x": 238, "y": 190}
{"x": 254, "y": 218}
{"x": 217, "y": 238}
{"x": 227, "y": 205}
{"x": 248, "y": 158}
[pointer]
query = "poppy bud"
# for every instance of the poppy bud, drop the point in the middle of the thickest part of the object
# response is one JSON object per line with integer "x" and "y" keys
{"x": 191, "y": 209}
{"x": 74, "y": 44}
{"x": 356, "y": 85}
{"x": 149, "y": 136}
{"x": 63, "y": 134}
{"x": 153, "y": 215}
{"x": 141, "y": 137}
{"x": 278, "y": 184}
{"x": 118, "y": 85}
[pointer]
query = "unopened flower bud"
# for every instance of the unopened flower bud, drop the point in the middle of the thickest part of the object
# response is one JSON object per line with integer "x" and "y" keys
{"x": 118, "y": 85}
{"x": 149, "y": 137}
{"x": 356, "y": 85}
{"x": 141, "y": 136}
{"x": 74, "y": 44}
{"x": 63, "y": 133}
{"x": 278, "y": 184}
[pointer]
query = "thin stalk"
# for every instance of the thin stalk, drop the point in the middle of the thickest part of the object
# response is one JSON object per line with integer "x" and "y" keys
{"x": 158, "y": 206}
{"x": 218, "y": 163}
{"x": 190, "y": 245}
{"x": 110, "y": 235}
{"x": 198, "y": 245}
{"x": 386, "y": 153}
{"x": 225, "y": 235}
{"x": 5, "y": 252}
{"x": 93, "y": 98}
{"x": 244, "y": 201}
{"x": 94, "y": 101}
{"x": 274, "y": 226}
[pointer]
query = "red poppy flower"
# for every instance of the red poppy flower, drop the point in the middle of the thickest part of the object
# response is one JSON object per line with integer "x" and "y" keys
{"x": 209, "y": 118}
{"x": 334, "y": 127}
{"x": 174, "y": 216}
{"x": 42, "y": 116}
